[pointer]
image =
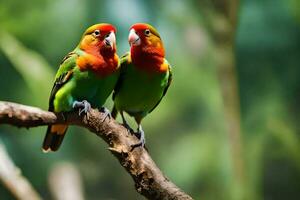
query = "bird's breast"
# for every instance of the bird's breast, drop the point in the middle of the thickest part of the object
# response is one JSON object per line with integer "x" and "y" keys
{"x": 97, "y": 65}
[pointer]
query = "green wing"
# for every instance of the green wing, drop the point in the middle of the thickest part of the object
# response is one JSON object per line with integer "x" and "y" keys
{"x": 124, "y": 61}
{"x": 170, "y": 78}
{"x": 63, "y": 74}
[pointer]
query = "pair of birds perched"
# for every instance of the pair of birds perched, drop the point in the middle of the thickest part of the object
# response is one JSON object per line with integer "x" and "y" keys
{"x": 93, "y": 70}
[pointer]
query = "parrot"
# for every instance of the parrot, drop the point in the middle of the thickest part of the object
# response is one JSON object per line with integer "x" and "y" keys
{"x": 85, "y": 78}
{"x": 145, "y": 76}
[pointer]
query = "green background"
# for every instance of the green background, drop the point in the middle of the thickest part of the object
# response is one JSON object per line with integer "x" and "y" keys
{"x": 187, "y": 135}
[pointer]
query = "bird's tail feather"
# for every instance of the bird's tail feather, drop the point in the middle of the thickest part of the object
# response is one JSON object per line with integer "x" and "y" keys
{"x": 114, "y": 112}
{"x": 54, "y": 137}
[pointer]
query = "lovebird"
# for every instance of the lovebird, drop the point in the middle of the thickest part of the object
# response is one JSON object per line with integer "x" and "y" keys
{"x": 144, "y": 78}
{"x": 85, "y": 79}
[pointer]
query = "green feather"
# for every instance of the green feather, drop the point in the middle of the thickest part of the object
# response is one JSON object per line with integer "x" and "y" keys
{"x": 138, "y": 92}
{"x": 79, "y": 85}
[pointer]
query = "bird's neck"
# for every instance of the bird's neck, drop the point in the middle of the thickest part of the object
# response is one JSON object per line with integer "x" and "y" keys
{"x": 148, "y": 58}
{"x": 101, "y": 63}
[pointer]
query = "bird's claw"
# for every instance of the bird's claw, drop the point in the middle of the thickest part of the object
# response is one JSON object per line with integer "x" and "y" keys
{"x": 142, "y": 140}
{"x": 83, "y": 106}
{"x": 126, "y": 125}
{"x": 106, "y": 113}
{"x": 129, "y": 129}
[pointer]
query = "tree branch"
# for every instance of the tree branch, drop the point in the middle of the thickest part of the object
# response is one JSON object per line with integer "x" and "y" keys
{"x": 12, "y": 178}
{"x": 65, "y": 182}
{"x": 149, "y": 180}
{"x": 222, "y": 17}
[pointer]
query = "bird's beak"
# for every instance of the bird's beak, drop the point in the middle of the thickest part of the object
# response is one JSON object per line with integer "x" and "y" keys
{"x": 133, "y": 38}
{"x": 110, "y": 40}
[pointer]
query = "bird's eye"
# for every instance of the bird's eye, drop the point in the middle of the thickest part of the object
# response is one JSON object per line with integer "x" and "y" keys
{"x": 96, "y": 32}
{"x": 147, "y": 32}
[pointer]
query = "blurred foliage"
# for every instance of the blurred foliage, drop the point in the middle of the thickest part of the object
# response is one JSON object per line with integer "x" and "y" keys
{"x": 186, "y": 134}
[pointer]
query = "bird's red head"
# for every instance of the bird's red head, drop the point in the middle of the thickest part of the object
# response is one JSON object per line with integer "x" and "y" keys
{"x": 99, "y": 43}
{"x": 99, "y": 38}
{"x": 144, "y": 37}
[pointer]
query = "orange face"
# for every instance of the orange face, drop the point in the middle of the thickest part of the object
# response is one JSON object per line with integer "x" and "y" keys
{"x": 99, "y": 43}
{"x": 144, "y": 35}
{"x": 99, "y": 37}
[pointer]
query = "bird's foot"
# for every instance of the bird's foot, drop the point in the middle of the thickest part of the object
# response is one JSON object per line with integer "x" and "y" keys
{"x": 125, "y": 123}
{"x": 106, "y": 113}
{"x": 83, "y": 106}
{"x": 141, "y": 135}
{"x": 129, "y": 129}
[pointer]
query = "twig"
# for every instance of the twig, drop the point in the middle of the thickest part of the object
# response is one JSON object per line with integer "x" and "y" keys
{"x": 65, "y": 182}
{"x": 12, "y": 178}
{"x": 149, "y": 180}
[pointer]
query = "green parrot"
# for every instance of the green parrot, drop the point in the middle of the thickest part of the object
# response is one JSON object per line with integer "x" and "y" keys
{"x": 145, "y": 77}
{"x": 85, "y": 79}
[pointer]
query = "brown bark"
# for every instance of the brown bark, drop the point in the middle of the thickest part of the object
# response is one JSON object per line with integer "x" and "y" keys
{"x": 149, "y": 180}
